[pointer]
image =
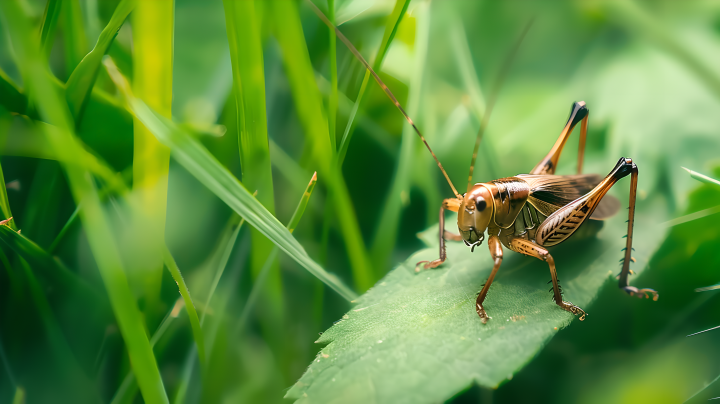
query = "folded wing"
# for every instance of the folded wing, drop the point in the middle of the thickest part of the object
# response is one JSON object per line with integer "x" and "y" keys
{"x": 549, "y": 193}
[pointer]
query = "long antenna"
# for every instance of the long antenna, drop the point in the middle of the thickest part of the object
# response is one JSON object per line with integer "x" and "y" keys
{"x": 384, "y": 87}
{"x": 494, "y": 94}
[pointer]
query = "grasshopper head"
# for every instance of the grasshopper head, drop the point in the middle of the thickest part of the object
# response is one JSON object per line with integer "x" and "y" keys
{"x": 474, "y": 215}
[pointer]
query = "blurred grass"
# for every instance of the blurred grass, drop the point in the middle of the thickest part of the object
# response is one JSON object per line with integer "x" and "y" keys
{"x": 243, "y": 21}
{"x": 153, "y": 23}
{"x": 646, "y": 70}
{"x": 53, "y": 109}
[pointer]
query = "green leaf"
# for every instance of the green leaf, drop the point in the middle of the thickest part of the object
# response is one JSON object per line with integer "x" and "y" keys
{"x": 416, "y": 338}
{"x": 81, "y": 81}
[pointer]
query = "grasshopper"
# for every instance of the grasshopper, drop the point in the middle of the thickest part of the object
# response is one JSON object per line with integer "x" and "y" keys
{"x": 528, "y": 212}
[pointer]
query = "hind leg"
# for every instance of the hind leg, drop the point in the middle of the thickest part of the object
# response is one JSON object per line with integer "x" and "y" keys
{"x": 529, "y": 248}
{"x": 578, "y": 113}
{"x": 562, "y": 224}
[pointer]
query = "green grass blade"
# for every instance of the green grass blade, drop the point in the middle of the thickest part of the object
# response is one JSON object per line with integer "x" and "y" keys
{"x": 72, "y": 371}
{"x": 44, "y": 263}
{"x": 391, "y": 27}
{"x": 202, "y": 165}
{"x": 128, "y": 388}
{"x": 254, "y": 293}
{"x": 54, "y": 109}
{"x": 50, "y": 18}
{"x": 19, "y": 397}
{"x": 4, "y": 203}
{"x": 221, "y": 265}
{"x": 81, "y": 81}
{"x": 74, "y": 216}
{"x": 287, "y": 167}
{"x": 308, "y": 102}
{"x": 10, "y": 95}
{"x": 333, "y": 101}
{"x": 189, "y": 306}
{"x": 76, "y": 42}
{"x": 297, "y": 215}
{"x": 153, "y": 25}
{"x": 701, "y": 177}
{"x": 387, "y": 230}
{"x": 246, "y": 55}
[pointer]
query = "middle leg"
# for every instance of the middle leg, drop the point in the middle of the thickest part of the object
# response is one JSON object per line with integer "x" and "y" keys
{"x": 529, "y": 248}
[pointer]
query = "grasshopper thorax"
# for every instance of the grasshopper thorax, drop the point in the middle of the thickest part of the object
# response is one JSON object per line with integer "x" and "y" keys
{"x": 474, "y": 214}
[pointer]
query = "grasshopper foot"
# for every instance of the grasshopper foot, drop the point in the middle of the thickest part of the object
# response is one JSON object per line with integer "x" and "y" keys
{"x": 568, "y": 306}
{"x": 481, "y": 312}
{"x": 428, "y": 264}
{"x": 640, "y": 293}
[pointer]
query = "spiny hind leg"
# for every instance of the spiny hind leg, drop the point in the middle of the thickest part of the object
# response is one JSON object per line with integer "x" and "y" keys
{"x": 497, "y": 254}
{"x": 449, "y": 204}
{"x": 626, "y": 271}
{"x": 578, "y": 113}
{"x": 529, "y": 248}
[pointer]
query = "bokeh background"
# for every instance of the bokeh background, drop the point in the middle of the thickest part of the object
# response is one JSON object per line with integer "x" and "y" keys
{"x": 647, "y": 70}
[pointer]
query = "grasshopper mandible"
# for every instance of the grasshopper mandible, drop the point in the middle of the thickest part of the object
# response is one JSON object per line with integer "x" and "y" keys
{"x": 528, "y": 212}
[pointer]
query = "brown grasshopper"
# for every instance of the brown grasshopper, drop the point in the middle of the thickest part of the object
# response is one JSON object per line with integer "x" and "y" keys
{"x": 529, "y": 212}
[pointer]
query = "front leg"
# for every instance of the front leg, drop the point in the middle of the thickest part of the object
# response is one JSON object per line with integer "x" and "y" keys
{"x": 529, "y": 248}
{"x": 497, "y": 254}
{"x": 449, "y": 204}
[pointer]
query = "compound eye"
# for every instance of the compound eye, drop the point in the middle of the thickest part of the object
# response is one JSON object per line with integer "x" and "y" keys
{"x": 480, "y": 203}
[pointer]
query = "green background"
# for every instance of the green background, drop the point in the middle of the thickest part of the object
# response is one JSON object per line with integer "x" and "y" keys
{"x": 647, "y": 71}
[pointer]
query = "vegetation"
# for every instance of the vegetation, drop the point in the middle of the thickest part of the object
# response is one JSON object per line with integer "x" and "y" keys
{"x": 198, "y": 188}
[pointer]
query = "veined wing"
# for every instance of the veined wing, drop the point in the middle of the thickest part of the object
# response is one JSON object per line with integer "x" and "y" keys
{"x": 548, "y": 193}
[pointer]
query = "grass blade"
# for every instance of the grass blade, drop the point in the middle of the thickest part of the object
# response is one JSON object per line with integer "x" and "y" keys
{"x": 288, "y": 30}
{"x": 246, "y": 55}
{"x": 19, "y": 397}
{"x": 391, "y": 27}
{"x": 50, "y": 18}
{"x": 153, "y": 25}
{"x": 702, "y": 178}
{"x": 49, "y": 267}
{"x": 81, "y": 81}
{"x": 297, "y": 215}
{"x": 10, "y": 95}
{"x": 333, "y": 101}
{"x": 189, "y": 306}
{"x": 257, "y": 287}
{"x": 387, "y": 229}
{"x": 221, "y": 265}
{"x": 4, "y": 203}
{"x": 76, "y": 42}
{"x": 128, "y": 388}
{"x": 203, "y": 166}
{"x": 53, "y": 108}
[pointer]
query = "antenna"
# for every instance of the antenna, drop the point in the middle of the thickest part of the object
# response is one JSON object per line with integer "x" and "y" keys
{"x": 494, "y": 94}
{"x": 384, "y": 87}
